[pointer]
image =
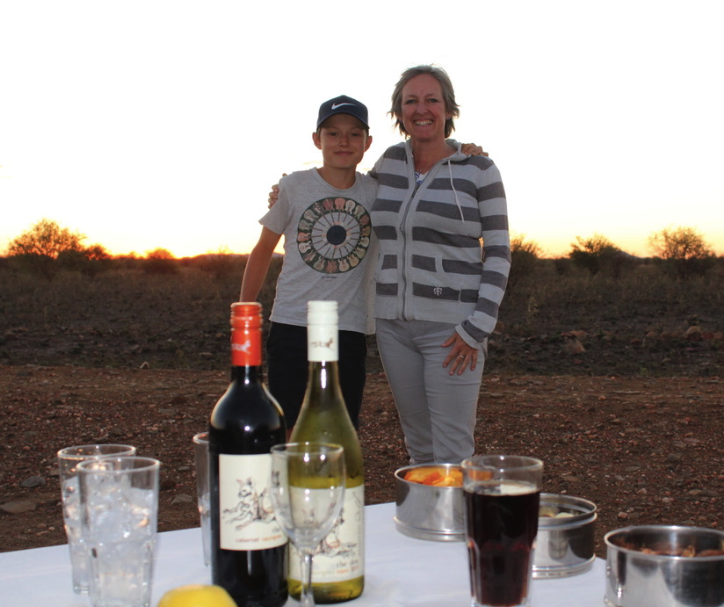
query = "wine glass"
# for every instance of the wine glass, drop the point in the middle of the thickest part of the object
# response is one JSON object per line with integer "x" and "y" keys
{"x": 307, "y": 489}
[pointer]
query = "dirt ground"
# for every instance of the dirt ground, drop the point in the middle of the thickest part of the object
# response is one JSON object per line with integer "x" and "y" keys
{"x": 615, "y": 384}
{"x": 644, "y": 450}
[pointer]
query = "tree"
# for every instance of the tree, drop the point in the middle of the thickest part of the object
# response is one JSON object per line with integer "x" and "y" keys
{"x": 683, "y": 251}
{"x": 160, "y": 261}
{"x": 47, "y": 247}
{"x": 597, "y": 253}
{"x": 46, "y": 238}
{"x": 40, "y": 247}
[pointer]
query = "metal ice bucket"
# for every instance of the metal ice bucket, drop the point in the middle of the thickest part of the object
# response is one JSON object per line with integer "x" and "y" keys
{"x": 566, "y": 541}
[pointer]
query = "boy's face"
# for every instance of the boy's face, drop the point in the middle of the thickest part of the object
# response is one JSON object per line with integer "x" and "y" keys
{"x": 343, "y": 140}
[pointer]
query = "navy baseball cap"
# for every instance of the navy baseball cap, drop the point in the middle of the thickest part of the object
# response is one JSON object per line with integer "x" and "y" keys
{"x": 343, "y": 105}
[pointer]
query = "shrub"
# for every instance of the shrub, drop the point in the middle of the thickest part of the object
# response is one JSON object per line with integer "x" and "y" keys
{"x": 683, "y": 251}
{"x": 524, "y": 256}
{"x": 89, "y": 261}
{"x": 160, "y": 261}
{"x": 562, "y": 265}
{"x": 220, "y": 264}
{"x": 597, "y": 254}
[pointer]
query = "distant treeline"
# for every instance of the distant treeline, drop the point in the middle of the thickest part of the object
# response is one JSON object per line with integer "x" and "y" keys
{"x": 47, "y": 248}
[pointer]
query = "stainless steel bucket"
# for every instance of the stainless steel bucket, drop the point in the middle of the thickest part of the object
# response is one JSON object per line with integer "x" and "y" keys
{"x": 426, "y": 512}
{"x": 639, "y": 579}
{"x": 566, "y": 541}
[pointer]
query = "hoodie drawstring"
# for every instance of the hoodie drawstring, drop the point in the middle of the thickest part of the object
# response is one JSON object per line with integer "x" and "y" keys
{"x": 452, "y": 185}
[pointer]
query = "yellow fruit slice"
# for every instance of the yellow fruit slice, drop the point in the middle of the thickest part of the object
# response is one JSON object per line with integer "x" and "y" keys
{"x": 197, "y": 595}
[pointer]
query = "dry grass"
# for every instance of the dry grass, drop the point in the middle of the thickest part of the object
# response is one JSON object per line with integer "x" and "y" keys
{"x": 127, "y": 316}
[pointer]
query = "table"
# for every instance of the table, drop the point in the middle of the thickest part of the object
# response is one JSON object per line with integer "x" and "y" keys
{"x": 400, "y": 572}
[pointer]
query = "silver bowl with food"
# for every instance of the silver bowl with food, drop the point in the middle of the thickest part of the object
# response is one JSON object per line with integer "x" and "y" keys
{"x": 565, "y": 544}
{"x": 655, "y": 565}
{"x": 430, "y": 502}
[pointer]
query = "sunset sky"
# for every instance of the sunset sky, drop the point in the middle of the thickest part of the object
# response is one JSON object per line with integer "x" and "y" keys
{"x": 148, "y": 123}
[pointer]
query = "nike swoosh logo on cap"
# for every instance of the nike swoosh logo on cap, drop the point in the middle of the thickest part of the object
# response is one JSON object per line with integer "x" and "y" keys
{"x": 336, "y": 105}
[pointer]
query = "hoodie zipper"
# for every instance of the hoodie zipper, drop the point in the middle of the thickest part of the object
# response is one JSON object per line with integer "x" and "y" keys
{"x": 407, "y": 207}
{"x": 403, "y": 222}
{"x": 403, "y": 236}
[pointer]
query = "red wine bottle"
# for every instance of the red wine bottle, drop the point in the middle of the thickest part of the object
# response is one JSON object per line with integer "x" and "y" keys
{"x": 248, "y": 547}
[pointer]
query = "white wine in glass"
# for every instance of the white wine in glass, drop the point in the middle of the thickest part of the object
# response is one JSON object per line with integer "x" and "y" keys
{"x": 307, "y": 488}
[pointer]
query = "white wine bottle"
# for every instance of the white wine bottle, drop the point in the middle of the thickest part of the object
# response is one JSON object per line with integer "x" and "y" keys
{"x": 338, "y": 571}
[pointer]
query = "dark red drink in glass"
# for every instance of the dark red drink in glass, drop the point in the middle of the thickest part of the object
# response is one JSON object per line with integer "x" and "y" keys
{"x": 501, "y": 515}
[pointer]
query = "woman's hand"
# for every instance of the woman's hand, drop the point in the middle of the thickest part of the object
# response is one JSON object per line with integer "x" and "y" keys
{"x": 471, "y": 149}
{"x": 274, "y": 194}
{"x": 460, "y": 356}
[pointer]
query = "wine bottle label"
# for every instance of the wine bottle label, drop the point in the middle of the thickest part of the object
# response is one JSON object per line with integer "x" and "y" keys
{"x": 322, "y": 343}
{"x": 246, "y": 514}
{"x": 340, "y": 555}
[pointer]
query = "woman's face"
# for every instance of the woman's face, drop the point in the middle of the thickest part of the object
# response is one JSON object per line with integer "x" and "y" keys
{"x": 423, "y": 109}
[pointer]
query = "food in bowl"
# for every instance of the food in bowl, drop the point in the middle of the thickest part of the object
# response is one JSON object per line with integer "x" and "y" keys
{"x": 430, "y": 511}
{"x": 552, "y": 512}
{"x": 646, "y": 567}
{"x": 436, "y": 476}
{"x": 667, "y": 549}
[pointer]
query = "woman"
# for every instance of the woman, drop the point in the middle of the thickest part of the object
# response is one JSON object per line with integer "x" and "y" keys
{"x": 438, "y": 291}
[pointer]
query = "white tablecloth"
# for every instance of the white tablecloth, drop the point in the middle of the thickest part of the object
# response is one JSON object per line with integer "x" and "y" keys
{"x": 400, "y": 572}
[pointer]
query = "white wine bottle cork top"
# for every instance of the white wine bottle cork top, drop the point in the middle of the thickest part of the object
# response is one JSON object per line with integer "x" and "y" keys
{"x": 322, "y": 312}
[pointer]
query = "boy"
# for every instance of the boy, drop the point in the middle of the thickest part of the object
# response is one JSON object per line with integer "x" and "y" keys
{"x": 328, "y": 255}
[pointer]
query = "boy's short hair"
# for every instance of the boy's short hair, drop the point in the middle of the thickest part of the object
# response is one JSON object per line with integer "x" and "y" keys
{"x": 343, "y": 105}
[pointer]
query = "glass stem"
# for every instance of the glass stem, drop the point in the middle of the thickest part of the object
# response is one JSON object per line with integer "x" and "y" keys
{"x": 307, "y": 596}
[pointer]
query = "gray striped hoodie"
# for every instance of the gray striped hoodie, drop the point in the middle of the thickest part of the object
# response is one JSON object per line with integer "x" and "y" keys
{"x": 444, "y": 244}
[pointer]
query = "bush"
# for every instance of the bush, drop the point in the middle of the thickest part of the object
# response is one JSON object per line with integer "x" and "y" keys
{"x": 524, "y": 256}
{"x": 160, "y": 261}
{"x": 597, "y": 254}
{"x": 562, "y": 265}
{"x": 682, "y": 252}
{"x": 89, "y": 261}
{"x": 220, "y": 264}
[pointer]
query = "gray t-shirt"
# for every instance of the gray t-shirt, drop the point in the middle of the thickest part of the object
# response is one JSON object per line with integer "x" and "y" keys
{"x": 329, "y": 249}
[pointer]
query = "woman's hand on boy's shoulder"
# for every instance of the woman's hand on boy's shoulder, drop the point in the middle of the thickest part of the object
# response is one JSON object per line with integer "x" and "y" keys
{"x": 471, "y": 149}
{"x": 274, "y": 194}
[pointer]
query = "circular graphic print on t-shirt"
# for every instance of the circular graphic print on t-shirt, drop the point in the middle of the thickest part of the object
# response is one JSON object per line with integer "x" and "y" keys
{"x": 333, "y": 235}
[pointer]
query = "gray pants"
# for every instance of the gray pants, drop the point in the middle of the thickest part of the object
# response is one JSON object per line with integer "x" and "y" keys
{"x": 437, "y": 410}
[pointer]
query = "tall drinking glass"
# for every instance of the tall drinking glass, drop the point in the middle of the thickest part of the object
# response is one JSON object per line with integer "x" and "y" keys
{"x": 502, "y": 496}
{"x": 201, "y": 456}
{"x": 307, "y": 484}
{"x": 119, "y": 514}
{"x": 68, "y": 460}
